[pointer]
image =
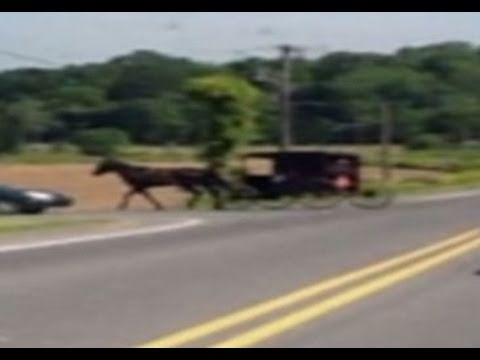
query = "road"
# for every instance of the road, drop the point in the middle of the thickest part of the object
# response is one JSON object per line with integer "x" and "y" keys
{"x": 257, "y": 279}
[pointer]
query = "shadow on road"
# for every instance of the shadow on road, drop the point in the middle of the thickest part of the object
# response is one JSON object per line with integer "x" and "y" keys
{"x": 477, "y": 273}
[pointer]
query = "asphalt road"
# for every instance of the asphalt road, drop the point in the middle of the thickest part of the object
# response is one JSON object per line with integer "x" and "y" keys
{"x": 151, "y": 289}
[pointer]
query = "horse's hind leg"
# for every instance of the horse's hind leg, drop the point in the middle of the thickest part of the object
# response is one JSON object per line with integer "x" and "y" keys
{"x": 217, "y": 196}
{"x": 220, "y": 190}
{"x": 152, "y": 200}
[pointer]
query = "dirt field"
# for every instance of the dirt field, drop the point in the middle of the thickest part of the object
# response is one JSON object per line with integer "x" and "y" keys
{"x": 104, "y": 193}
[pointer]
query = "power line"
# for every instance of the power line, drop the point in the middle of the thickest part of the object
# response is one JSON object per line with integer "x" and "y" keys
{"x": 253, "y": 50}
{"x": 29, "y": 58}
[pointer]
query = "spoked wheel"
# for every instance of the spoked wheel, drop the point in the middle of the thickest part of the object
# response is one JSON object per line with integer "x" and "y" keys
{"x": 241, "y": 204}
{"x": 373, "y": 197}
{"x": 320, "y": 201}
{"x": 245, "y": 199}
{"x": 281, "y": 203}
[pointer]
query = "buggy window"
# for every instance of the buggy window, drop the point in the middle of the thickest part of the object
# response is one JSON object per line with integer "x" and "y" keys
{"x": 259, "y": 166}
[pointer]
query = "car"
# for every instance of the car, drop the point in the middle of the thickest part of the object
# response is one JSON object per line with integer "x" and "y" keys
{"x": 31, "y": 201}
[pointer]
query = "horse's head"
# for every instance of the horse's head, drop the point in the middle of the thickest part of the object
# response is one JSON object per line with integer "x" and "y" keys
{"x": 107, "y": 165}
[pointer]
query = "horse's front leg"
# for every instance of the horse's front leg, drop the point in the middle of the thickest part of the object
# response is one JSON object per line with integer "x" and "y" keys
{"x": 126, "y": 199}
{"x": 195, "y": 198}
{"x": 217, "y": 196}
{"x": 218, "y": 200}
{"x": 149, "y": 197}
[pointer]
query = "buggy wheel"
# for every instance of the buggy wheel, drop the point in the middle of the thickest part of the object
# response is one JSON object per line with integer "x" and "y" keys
{"x": 281, "y": 203}
{"x": 320, "y": 201}
{"x": 241, "y": 204}
{"x": 245, "y": 199}
{"x": 373, "y": 197}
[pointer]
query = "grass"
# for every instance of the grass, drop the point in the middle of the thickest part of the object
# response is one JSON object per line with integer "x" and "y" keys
{"x": 14, "y": 224}
{"x": 158, "y": 154}
{"x": 447, "y": 169}
{"x": 437, "y": 158}
{"x": 437, "y": 182}
{"x": 44, "y": 154}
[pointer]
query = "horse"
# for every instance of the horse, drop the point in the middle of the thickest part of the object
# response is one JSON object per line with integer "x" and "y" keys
{"x": 140, "y": 178}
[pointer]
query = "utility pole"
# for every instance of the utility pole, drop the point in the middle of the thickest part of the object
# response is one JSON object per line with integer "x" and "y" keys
{"x": 285, "y": 96}
{"x": 386, "y": 138}
{"x": 286, "y": 53}
{"x": 283, "y": 84}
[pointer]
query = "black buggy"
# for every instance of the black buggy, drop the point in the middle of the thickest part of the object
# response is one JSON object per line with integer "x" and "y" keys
{"x": 309, "y": 179}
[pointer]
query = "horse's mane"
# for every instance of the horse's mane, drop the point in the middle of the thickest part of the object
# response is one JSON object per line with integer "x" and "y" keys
{"x": 127, "y": 164}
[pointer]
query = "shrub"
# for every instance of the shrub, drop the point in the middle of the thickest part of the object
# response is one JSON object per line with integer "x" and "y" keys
{"x": 425, "y": 141}
{"x": 101, "y": 142}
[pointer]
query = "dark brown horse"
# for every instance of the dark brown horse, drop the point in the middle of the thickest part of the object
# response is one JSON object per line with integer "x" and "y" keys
{"x": 140, "y": 178}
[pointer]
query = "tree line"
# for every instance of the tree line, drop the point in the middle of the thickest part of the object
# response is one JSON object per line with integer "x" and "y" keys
{"x": 151, "y": 98}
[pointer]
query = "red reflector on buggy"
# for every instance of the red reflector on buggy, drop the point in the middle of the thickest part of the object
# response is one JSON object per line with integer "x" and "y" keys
{"x": 342, "y": 182}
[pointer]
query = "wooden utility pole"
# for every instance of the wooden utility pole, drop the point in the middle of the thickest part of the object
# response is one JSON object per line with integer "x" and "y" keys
{"x": 285, "y": 96}
{"x": 386, "y": 139}
{"x": 283, "y": 84}
{"x": 286, "y": 52}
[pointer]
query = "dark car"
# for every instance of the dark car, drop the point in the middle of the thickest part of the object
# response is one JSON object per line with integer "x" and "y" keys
{"x": 31, "y": 201}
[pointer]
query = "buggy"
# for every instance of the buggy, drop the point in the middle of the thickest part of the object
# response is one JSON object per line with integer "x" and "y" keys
{"x": 311, "y": 179}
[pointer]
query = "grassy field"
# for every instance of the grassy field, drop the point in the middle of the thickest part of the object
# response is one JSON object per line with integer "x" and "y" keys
{"x": 68, "y": 171}
{"x": 44, "y": 154}
{"x": 439, "y": 159}
{"x": 15, "y": 224}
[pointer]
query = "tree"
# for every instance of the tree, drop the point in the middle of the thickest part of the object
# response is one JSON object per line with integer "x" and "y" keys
{"x": 234, "y": 106}
{"x": 12, "y": 132}
{"x": 458, "y": 117}
{"x": 436, "y": 89}
{"x": 21, "y": 121}
{"x": 169, "y": 121}
{"x": 101, "y": 142}
{"x": 146, "y": 74}
{"x": 338, "y": 63}
{"x": 437, "y": 59}
{"x": 409, "y": 90}
{"x": 75, "y": 97}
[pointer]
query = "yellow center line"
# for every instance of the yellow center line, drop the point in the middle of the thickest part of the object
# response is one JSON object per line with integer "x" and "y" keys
{"x": 297, "y": 318}
{"x": 241, "y": 316}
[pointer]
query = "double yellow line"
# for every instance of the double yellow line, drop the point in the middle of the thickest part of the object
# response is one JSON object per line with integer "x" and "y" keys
{"x": 387, "y": 273}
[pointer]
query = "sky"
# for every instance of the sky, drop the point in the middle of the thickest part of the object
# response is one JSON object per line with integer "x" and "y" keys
{"x": 76, "y": 38}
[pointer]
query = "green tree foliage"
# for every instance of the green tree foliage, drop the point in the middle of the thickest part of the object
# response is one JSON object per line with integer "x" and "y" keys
{"x": 12, "y": 132}
{"x": 101, "y": 142}
{"x": 234, "y": 106}
{"x": 75, "y": 97}
{"x": 434, "y": 90}
{"x": 21, "y": 121}
{"x": 145, "y": 74}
